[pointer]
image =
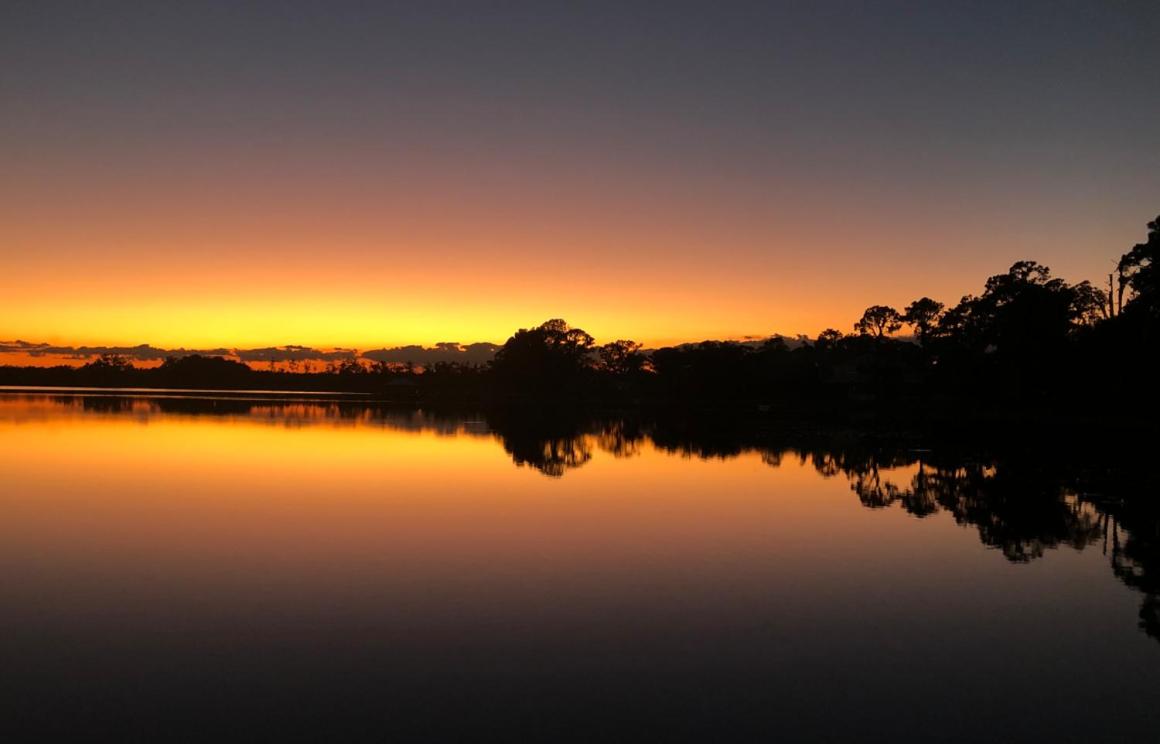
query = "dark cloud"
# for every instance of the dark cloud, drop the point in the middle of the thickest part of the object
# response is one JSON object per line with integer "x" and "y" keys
{"x": 445, "y": 351}
{"x": 293, "y": 354}
{"x": 752, "y": 342}
{"x": 141, "y": 352}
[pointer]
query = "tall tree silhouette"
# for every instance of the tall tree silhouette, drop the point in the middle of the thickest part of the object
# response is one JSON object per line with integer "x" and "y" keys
{"x": 1138, "y": 272}
{"x": 923, "y": 314}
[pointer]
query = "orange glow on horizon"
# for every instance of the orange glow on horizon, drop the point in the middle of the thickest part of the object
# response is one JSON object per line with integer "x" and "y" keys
{"x": 382, "y": 300}
{"x": 336, "y": 201}
{"x": 262, "y": 253}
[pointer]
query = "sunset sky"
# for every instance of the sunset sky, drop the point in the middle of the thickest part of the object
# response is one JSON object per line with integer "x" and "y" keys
{"x": 367, "y": 174}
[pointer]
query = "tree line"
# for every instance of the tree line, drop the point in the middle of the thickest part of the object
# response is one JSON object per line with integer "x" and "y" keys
{"x": 1029, "y": 341}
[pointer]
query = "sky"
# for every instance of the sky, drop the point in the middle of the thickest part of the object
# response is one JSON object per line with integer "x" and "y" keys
{"x": 361, "y": 175}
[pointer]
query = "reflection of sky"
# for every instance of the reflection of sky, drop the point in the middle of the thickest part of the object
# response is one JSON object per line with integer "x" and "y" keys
{"x": 360, "y": 175}
{"x": 367, "y": 570}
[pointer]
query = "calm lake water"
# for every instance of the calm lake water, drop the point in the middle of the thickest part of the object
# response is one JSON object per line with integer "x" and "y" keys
{"x": 182, "y": 568}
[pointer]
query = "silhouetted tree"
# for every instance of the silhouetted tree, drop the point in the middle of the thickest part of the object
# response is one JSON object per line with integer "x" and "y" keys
{"x": 829, "y": 338}
{"x": 107, "y": 370}
{"x": 1089, "y": 304}
{"x": 1138, "y": 272}
{"x": 879, "y": 321}
{"x": 1022, "y": 312}
{"x": 196, "y": 370}
{"x": 114, "y": 363}
{"x": 710, "y": 370}
{"x": 777, "y": 344}
{"x": 551, "y": 357}
{"x": 621, "y": 358}
{"x": 351, "y": 366}
{"x": 923, "y": 314}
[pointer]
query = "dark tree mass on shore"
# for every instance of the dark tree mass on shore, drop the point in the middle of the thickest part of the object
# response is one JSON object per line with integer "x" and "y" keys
{"x": 1028, "y": 343}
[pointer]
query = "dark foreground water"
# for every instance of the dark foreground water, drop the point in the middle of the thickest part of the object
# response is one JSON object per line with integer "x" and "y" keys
{"x": 193, "y": 569}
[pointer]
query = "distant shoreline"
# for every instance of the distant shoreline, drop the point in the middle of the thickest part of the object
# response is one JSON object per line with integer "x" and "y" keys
{"x": 192, "y": 392}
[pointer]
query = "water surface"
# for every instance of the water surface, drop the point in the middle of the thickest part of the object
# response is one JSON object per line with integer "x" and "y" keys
{"x": 194, "y": 567}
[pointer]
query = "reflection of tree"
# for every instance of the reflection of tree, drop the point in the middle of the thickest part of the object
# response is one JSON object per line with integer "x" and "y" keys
{"x": 107, "y": 404}
{"x": 1020, "y": 517}
{"x": 771, "y": 458}
{"x": 825, "y": 463}
{"x": 1022, "y": 505}
{"x": 551, "y": 442}
{"x": 1133, "y": 529}
{"x": 872, "y": 491}
{"x": 921, "y": 499}
{"x": 620, "y": 438}
{"x": 283, "y": 411}
{"x": 1014, "y": 511}
{"x": 1022, "y": 512}
{"x": 552, "y": 457}
{"x": 554, "y": 446}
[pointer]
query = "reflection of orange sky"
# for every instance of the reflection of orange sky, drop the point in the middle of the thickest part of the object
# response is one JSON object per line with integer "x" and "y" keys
{"x": 273, "y": 250}
{"x": 283, "y": 511}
